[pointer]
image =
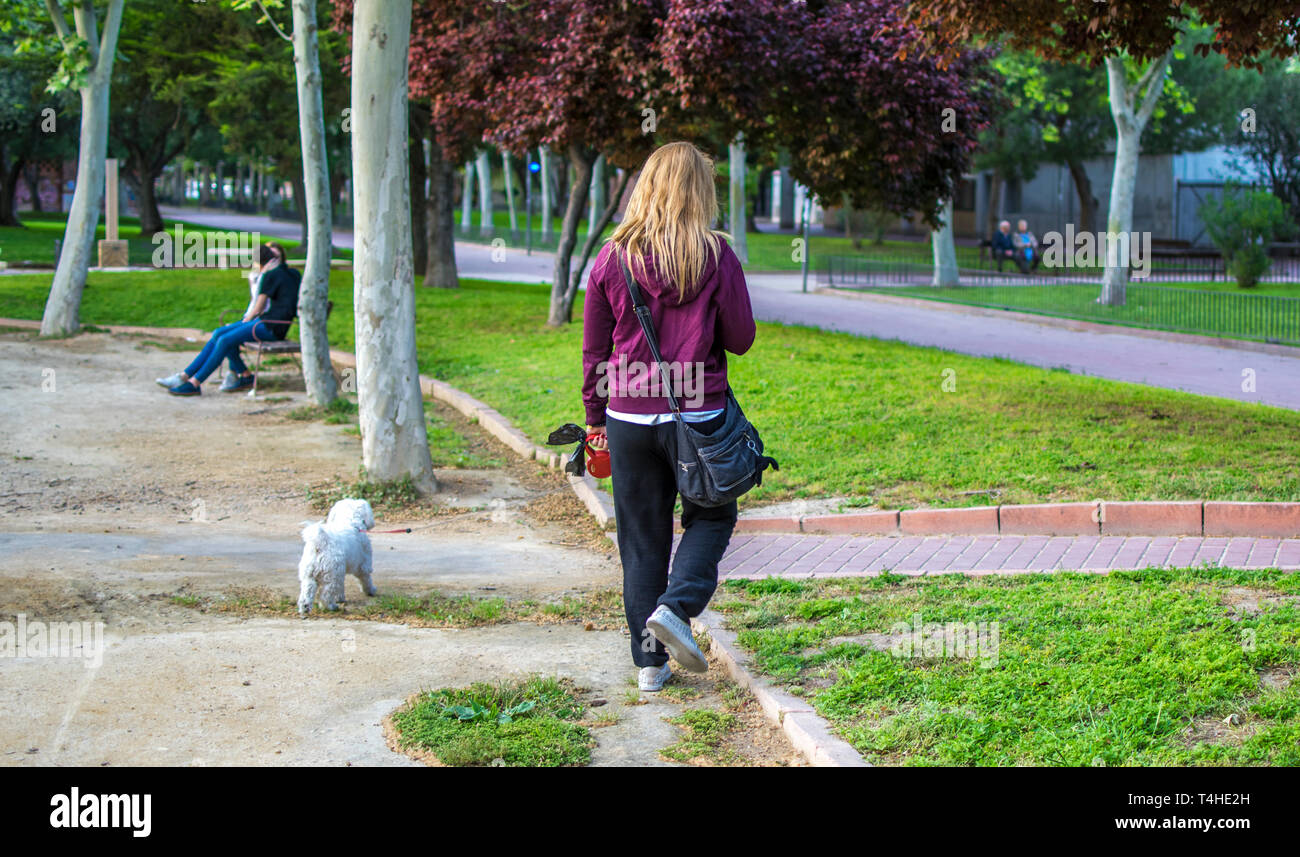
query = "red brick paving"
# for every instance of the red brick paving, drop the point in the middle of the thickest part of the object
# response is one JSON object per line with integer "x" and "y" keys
{"x": 770, "y": 555}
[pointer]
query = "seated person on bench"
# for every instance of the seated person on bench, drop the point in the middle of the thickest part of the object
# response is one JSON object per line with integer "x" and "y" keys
{"x": 1003, "y": 248}
{"x": 1027, "y": 257}
{"x": 270, "y": 313}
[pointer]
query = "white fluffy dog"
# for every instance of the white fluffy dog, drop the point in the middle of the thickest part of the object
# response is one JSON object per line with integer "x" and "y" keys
{"x": 336, "y": 547}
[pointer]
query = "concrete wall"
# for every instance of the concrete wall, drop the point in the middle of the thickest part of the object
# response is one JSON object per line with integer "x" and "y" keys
{"x": 1049, "y": 201}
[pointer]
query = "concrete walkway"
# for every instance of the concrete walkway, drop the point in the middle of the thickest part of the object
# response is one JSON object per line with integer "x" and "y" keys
{"x": 1121, "y": 354}
{"x": 800, "y": 556}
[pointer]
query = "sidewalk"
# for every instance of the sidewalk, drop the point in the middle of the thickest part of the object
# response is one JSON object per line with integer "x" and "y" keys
{"x": 801, "y": 556}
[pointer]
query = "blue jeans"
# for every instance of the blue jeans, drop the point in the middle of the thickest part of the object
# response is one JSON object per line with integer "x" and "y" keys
{"x": 224, "y": 345}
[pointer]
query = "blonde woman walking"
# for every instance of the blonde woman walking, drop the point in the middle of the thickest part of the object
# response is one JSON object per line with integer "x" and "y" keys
{"x": 695, "y": 289}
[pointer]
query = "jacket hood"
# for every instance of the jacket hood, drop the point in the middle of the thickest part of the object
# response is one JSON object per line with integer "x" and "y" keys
{"x": 664, "y": 289}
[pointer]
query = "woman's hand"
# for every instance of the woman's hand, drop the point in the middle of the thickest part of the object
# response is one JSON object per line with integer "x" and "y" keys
{"x": 600, "y": 441}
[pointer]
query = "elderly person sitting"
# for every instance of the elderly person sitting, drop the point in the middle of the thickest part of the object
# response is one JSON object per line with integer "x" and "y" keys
{"x": 1027, "y": 257}
{"x": 1004, "y": 248}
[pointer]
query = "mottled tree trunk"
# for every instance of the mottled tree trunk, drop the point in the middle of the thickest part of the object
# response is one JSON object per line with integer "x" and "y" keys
{"x": 594, "y": 238}
{"x": 32, "y": 174}
{"x": 484, "y": 167}
{"x": 142, "y": 182}
{"x": 419, "y": 177}
{"x": 440, "y": 221}
{"x": 467, "y": 198}
{"x": 991, "y": 219}
{"x": 508, "y": 173}
{"x": 314, "y": 203}
{"x": 945, "y": 250}
{"x": 394, "y": 440}
{"x": 581, "y": 160}
{"x": 1087, "y": 202}
{"x": 596, "y": 195}
{"x": 736, "y": 222}
{"x": 63, "y": 307}
{"x": 548, "y": 194}
{"x": 1130, "y": 119}
{"x": 299, "y": 184}
{"x": 9, "y": 174}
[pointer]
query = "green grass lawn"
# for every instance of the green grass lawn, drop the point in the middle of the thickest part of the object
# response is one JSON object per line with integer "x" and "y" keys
{"x": 33, "y": 242}
{"x": 1130, "y": 668}
{"x": 774, "y": 251}
{"x": 847, "y": 417}
{"x": 533, "y": 723}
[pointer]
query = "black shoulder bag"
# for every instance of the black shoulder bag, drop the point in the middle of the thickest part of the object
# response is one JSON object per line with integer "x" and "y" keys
{"x": 712, "y": 469}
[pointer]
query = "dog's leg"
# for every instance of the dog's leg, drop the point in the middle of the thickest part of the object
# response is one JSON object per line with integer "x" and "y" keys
{"x": 306, "y": 595}
{"x": 367, "y": 568}
{"x": 333, "y": 591}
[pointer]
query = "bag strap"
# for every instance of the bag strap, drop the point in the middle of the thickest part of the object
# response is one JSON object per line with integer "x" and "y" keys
{"x": 648, "y": 328}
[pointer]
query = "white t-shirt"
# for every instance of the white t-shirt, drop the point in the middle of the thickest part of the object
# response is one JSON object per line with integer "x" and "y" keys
{"x": 655, "y": 419}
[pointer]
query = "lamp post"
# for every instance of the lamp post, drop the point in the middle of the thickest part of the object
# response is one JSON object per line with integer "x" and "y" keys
{"x": 533, "y": 167}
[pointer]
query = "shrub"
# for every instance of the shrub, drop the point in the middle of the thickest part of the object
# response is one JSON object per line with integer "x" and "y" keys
{"x": 1242, "y": 223}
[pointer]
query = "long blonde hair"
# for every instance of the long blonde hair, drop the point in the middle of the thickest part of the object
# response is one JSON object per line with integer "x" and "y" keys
{"x": 670, "y": 216}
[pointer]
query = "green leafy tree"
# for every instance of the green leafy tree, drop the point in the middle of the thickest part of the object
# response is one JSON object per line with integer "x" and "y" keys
{"x": 1057, "y": 114}
{"x": 1135, "y": 40}
{"x": 1268, "y": 133}
{"x": 160, "y": 87}
{"x": 86, "y": 55}
{"x": 35, "y": 124}
{"x": 312, "y": 192}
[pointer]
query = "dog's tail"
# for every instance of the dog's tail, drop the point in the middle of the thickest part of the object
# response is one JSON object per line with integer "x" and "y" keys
{"x": 313, "y": 535}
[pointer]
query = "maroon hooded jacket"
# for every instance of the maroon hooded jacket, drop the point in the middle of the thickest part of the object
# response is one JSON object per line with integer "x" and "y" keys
{"x": 694, "y": 335}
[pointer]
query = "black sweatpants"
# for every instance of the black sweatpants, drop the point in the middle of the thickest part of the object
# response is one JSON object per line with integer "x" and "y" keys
{"x": 642, "y": 460}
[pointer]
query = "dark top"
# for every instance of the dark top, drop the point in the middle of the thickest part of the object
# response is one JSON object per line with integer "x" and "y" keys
{"x": 280, "y": 285}
{"x": 1002, "y": 242}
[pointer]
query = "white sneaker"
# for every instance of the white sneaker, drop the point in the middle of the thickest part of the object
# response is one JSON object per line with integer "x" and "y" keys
{"x": 652, "y": 679}
{"x": 170, "y": 381}
{"x": 676, "y": 636}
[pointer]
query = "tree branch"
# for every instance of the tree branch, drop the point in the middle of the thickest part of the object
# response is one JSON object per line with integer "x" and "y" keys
{"x": 274, "y": 25}
{"x": 83, "y": 16}
{"x": 112, "y": 24}
{"x": 594, "y": 237}
{"x": 1155, "y": 83}
{"x": 60, "y": 22}
{"x": 1121, "y": 105}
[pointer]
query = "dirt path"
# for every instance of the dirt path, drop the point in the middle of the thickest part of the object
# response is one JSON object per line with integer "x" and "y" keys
{"x": 120, "y": 505}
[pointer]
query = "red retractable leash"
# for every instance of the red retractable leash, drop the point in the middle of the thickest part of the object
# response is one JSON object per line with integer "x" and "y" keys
{"x": 597, "y": 459}
{"x": 379, "y": 532}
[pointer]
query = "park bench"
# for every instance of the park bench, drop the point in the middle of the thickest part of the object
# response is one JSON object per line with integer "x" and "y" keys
{"x": 271, "y": 347}
{"x": 1181, "y": 256}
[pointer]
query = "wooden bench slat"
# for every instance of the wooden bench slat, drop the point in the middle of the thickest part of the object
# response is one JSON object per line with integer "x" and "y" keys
{"x": 283, "y": 346}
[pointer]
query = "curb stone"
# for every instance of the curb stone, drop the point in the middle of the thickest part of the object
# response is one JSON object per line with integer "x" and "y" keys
{"x": 1200, "y": 518}
{"x": 186, "y": 333}
{"x": 807, "y": 731}
{"x": 598, "y": 503}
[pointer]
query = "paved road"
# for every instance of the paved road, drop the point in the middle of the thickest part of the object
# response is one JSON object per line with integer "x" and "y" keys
{"x": 1123, "y": 356}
